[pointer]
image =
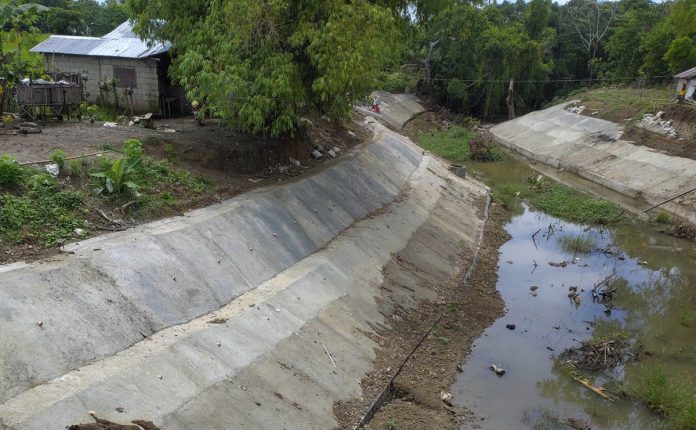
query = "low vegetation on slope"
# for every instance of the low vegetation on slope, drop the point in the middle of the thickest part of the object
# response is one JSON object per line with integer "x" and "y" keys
{"x": 39, "y": 210}
{"x": 624, "y": 105}
{"x": 459, "y": 145}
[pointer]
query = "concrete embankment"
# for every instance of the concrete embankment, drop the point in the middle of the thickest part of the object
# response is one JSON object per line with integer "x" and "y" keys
{"x": 259, "y": 312}
{"x": 592, "y": 148}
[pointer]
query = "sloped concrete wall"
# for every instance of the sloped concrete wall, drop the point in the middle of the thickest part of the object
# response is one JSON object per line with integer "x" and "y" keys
{"x": 290, "y": 273}
{"x": 591, "y": 148}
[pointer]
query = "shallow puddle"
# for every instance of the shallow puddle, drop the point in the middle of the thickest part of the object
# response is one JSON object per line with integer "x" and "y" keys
{"x": 654, "y": 302}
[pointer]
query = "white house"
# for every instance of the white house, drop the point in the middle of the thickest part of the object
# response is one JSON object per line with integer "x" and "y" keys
{"x": 120, "y": 54}
{"x": 687, "y": 77}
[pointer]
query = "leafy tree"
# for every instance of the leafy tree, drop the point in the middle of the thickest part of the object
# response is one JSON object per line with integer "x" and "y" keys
{"x": 262, "y": 64}
{"x": 681, "y": 54}
{"x": 623, "y": 59}
{"x": 63, "y": 21}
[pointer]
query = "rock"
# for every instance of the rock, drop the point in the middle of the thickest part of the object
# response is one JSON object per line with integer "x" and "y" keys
{"x": 336, "y": 149}
{"x": 316, "y": 154}
{"x": 510, "y": 326}
{"x": 283, "y": 169}
{"x": 332, "y": 153}
{"x": 110, "y": 124}
{"x": 561, "y": 264}
{"x": 29, "y": 125}
{"x": 533, "y": 288}
{"x": 53, "y": 169}
{"x": 351, "y": 134}
{"x": 80, "y": 232}
{"x": 131, "y": 123}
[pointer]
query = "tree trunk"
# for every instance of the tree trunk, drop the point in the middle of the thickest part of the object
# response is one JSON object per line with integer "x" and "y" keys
{"x": 510, "y": 100}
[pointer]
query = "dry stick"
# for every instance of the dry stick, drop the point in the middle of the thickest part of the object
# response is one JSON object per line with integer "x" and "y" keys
{"x": 329, "y": 354}
{"x": 667, "y": 201}
{"x": 66, "y": 158}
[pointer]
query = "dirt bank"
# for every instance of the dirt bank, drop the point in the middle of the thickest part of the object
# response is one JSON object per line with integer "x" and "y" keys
{"x": 468, "y": 306}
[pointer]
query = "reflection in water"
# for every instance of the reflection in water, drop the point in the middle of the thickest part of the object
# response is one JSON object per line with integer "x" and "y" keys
{"x": 654, "y": 277}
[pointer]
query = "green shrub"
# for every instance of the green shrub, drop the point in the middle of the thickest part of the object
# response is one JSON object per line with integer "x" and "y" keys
{"x": 75, "y": 168}
{"x": 393, "y": 82}
{"x": 133, "y": 149}
{"x": 116, "y": 176}
{"x": 482, "y": 149}
{"x": 663, "y": 218}
{"x": 58, "y": 157}
{"x": 10, "y": 171}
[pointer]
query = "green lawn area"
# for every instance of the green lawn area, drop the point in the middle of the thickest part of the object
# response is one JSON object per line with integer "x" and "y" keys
{"x": 620, "y": 104}
{"x": 452, "y": 144}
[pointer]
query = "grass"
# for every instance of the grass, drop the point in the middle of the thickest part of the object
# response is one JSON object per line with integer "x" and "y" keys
{"x": 452, "y": 144}
{"x": 557, "y": 200}
{"x": 663, "y": 218}
{"x": 563, "y": 202}
{"x": 581, "y": 243}
{"x": 671, "y": 397}
{"x": 39, "y": 212}
{"x": 620, "y": 104}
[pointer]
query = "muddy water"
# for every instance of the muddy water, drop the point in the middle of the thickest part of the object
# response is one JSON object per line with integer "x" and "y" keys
{"x": 655, "y": 303}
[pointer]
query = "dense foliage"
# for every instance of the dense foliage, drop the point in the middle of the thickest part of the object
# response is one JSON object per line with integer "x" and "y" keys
{"x": 548, "y": 49}
{"x": 262, "y": 64}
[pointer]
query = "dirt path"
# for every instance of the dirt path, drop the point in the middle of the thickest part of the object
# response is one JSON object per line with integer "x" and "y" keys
{"x": 468, "y": 307}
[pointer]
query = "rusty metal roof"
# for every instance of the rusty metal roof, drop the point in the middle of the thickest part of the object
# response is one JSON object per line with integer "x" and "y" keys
{"x": 121, "y": 43}
{"x": 687, "y": 74}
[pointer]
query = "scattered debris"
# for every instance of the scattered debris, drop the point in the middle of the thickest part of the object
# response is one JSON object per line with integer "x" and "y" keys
{"x": 316, "y": 154}
{"x": 295, "y": 162}
{"x": 498, "y": 370}
{"x": 576, "y": 109}
{"x": 446, "y": 397}
{"x": 80, "y": 232}
{"x": 657, "y": 124}
{"x": 110, "y": 124}
{"x": 598, "y": 354}
{"x": 52, "y": 169}
{"x": 329, "y": 354}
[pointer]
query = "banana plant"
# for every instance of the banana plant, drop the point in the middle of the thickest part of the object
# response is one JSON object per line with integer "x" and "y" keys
{"x": 117, "y": 178}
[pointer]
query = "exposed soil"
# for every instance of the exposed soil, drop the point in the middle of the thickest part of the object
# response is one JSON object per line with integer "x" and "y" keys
{"x": 682, "y": 115}
{"x": 102, "y": 424}
{"x": 468, "y": 307}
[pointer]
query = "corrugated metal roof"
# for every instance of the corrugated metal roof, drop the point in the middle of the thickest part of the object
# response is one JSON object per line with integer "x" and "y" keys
{"x": 121, "y": 42}
{"x": 687, "y": 74}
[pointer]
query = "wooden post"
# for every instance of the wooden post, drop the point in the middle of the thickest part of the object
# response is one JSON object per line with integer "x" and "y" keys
{"x": 510, "y": 100}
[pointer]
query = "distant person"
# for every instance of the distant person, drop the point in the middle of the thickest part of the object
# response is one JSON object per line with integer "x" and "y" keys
{"x": 682, "y": 93}
{"x": 197, "y": 113}
{"x": 375, "y": 104}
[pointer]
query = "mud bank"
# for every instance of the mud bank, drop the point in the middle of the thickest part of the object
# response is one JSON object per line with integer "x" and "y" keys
{"x": 260, "y": 312}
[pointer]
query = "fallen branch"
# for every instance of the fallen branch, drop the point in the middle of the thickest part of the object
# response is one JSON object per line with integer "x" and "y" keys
{"x": 75, "y": 157}
{"x": 600, "y": 391}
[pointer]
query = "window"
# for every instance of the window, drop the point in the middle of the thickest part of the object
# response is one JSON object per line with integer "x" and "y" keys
{"x": 125, "y": 77}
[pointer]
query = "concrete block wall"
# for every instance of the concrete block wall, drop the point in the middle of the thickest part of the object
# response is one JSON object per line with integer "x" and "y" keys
{"x": 146, "y": 93}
